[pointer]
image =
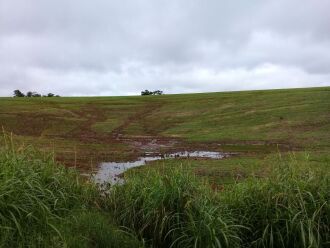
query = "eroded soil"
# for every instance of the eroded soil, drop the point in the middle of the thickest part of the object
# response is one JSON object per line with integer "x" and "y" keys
{"x": 86, "y": 147}
{"x": 152, "y": 142}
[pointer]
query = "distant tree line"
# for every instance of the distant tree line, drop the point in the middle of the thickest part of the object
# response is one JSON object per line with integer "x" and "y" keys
{"x": 18, "y": 93}
{"x": 148, "y": 93}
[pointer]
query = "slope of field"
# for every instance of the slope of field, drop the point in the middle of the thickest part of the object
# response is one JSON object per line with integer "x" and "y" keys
{"x": 84, "y": 131}
{"x": 272, "y": 191}
{"x": 44, "y": 204}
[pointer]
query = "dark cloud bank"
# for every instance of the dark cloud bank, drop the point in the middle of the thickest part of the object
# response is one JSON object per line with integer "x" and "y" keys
{"x": 104, "y": 47}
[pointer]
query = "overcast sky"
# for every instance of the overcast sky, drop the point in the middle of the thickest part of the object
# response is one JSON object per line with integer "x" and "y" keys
{"x": 108, "y": 47}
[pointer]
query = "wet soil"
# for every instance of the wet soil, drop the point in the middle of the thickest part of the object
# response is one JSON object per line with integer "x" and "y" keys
{"x": 135, "y": 146}
{"x": 111, "y": 172}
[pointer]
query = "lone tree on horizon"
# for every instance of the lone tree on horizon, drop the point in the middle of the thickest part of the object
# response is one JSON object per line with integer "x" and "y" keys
{"x": 18, "y": 93}
{"x": 158, "y": 92}
{"x": 149, "y": 93}
{"x": 32, "y": 94}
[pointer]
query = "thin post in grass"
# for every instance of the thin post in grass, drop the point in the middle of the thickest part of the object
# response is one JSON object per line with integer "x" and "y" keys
{"x": 279, "y": 152}
{"x": 91, "y": 165}
{"x": 12, "y": 143}
{"x": 75, "y": 157}
{"x": 4, "y": 137}
{"x": 53, "y": 155}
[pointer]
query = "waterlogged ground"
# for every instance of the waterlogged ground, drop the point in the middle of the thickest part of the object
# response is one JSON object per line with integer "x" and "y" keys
{"x": 111, "y": 172}
{"x": 85, "y": 132}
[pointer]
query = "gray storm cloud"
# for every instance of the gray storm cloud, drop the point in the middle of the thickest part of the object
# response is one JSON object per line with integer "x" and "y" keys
{"x": 122, "y": 47}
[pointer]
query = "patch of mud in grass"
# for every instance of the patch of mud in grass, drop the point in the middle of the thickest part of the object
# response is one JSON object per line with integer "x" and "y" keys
{"x": 111, "y": 172}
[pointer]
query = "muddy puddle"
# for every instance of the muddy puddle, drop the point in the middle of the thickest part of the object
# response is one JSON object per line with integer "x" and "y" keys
{"x": 110, "y": 172}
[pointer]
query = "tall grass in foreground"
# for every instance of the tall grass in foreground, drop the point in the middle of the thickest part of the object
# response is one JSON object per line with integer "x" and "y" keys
{"x": 288, "y": 209}
{"x": 43, "y": 204}
{"x": 171, "y": 208}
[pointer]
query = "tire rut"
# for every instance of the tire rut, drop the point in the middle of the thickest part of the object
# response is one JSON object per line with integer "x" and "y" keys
{"x": 146, "y": 111}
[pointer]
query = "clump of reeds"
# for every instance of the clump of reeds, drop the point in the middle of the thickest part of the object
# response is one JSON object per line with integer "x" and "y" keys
{"x": 290, "y": 208}
{"x": 43, "y": 204}
{"x": 172, "y": 208}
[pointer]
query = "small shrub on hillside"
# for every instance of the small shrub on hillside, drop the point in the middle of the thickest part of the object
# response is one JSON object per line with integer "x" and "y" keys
{"x": 18, "y": 93}
{"x": 152, "y": 93}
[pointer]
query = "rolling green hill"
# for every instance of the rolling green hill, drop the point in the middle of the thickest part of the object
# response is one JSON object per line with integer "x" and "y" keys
{"x": 272, "y": 191}
{"x": 295, "y": 118}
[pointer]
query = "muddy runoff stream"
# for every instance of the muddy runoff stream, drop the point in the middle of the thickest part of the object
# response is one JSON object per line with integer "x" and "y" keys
{"x": 110, "y": 172}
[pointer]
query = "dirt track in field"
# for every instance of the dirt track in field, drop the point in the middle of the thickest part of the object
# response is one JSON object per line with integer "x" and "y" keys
{"x": 91, "y": 114}
{"x": 147, "y": 110}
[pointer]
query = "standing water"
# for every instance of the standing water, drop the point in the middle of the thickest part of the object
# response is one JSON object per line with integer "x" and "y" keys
{"x": 109, "y": 172}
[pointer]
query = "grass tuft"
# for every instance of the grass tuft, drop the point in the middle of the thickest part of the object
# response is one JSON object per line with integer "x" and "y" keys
{"x": 172, "y": 208}
{"x": 290, "y": 208}
{"x": 43, "y": 204}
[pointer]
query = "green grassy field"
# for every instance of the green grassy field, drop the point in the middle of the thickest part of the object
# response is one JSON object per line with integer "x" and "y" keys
{"x": 85, "y": 131}
{"x": 44, "y": 204}
{"x": 274, "y": 192}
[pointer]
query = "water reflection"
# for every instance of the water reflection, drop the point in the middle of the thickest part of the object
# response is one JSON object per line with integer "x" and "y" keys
{"x": 109, "y": 172}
